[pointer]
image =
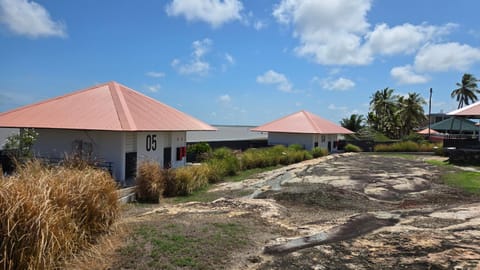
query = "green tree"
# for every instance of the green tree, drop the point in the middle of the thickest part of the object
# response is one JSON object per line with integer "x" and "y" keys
{"x": 354, "y": 123}
{"x": 22, "y": 143}
{"x": 382, "y": 116}
{"x": 466, "y": 90}
{"x": 410, "y": 113}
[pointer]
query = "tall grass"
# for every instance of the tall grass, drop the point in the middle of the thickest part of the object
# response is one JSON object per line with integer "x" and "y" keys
{"x": 406, "y": 146}
{"x": 150, "y": 182}
{"x": 48, "y": 214}
{"x": 222, "y": 162}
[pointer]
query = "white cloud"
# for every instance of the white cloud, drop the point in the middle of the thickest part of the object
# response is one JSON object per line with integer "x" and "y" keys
{"x": 229, "y": 59}
{"x": 446, "y": 56}
{"x": 224, "y": 99}
{"x": 406, "y": 38}
{"x": 338, "y": 84}
{"x": 153, "y": 88}
{"x": 406, "y": 75}
{"x": 338, "y": 32}
{"x": 197, "y": 65}
{"x": 334, "y": 107}
{"x": 213, "y": 12}
{"x": 278, "y": 79}
{"x": 155, "y": 74}
{"x": 330, "y": 31}
{"x": 259, "y": 25}
{"x": 30, "y": 19}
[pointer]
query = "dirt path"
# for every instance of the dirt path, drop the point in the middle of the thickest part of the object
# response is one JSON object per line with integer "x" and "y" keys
{"x": 350, "y": 211}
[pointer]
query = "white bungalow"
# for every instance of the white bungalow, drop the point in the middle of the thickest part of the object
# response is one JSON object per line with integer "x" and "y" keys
{"x": 306, "y": 129}
{"x": 110, "y": 123}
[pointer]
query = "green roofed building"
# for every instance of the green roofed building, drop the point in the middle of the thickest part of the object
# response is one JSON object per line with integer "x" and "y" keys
{"x": 455, "y": 125}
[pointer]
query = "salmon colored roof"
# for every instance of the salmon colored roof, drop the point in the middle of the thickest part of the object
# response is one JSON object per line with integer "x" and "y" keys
{"x": 470, "y": 111}
{"x": 303, "y": 122}
{"x": 425, "y": 131}
{"x": 108, "y": 106}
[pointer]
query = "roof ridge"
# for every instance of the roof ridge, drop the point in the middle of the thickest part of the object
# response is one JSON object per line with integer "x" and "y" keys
{"x": 309, "y": 118}
{"x": 121, "y": 107}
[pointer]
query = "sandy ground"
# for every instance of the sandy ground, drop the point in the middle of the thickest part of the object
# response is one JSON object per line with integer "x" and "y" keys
{"x": 345, "y": 211}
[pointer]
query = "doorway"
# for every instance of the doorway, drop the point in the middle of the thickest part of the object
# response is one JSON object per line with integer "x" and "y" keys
{"x": 130, "y": 165}
{"x": 329, "y": 147}
{"x": 167, "y": 157}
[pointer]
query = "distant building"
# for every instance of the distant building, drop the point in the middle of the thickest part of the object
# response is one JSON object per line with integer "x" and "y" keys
{"x": 108, "y": 122}
{"x": 231, "y": 136}
{"x": 306, "y": 129}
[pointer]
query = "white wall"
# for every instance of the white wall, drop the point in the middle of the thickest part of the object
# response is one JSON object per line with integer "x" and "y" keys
{"x": 150, "y": 146}
{"x": 306, "y": 140}
{"x": 5, "y": 133}
{"x": 106, "y": 146}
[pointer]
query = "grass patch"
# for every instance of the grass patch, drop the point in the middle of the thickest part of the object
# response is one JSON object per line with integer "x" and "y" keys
{"x": 186, "y": 246}
{"x": 242, "y": 175}
{"x": 437, "y": 162}
{"x": 468, "y": 181}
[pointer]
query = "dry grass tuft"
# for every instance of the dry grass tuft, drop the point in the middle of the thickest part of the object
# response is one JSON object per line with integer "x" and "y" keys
{"x": 51, "y": 213}
{"x": 150, "y": 182}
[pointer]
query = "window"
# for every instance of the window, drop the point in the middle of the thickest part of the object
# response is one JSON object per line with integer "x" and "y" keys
{"x": 181, "y": 153}
{"x": 323, "y": 138}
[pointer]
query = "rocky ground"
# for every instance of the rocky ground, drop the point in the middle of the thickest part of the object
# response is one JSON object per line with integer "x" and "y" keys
{"x": 345, "y": 211}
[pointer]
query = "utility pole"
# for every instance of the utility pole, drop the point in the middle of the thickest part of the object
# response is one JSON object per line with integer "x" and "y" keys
{"x": 429, "y": 113}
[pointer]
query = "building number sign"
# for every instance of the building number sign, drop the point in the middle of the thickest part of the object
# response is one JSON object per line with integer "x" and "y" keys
{"x": 151, "y": 142}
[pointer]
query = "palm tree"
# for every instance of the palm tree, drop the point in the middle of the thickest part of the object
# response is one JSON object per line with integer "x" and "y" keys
{"x": 466, "y": 90}
{"x": 353, "y": 123}
{"x": 382, "y": 107}
{"x": 410, "y": 112}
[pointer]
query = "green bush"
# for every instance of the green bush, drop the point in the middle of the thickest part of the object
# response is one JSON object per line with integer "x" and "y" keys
{"x": 352, "y": 148}
{"x": 189, "y": 179}
{"x": 199, "y": 151}
{"x": 296, "y": 147}
{"x": 319, "y": 152}
{"x": 407, "y": 146}
{"x": 225, "y": 160}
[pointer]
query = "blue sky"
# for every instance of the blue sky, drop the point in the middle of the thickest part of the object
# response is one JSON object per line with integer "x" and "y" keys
{"x": 237, "y": 61}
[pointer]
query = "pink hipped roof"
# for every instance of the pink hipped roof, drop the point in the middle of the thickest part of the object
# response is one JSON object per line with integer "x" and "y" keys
{"x": 426, "y": 131}
{"x": 470, "y": 111}
{"x": 303, "y": 122}
{"x": 109, "y": 106}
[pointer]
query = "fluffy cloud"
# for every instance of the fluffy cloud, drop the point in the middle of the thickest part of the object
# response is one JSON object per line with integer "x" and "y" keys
{"x": 406, "y": 75}
{"x": 446, "y": 56}
{"x": 278, "y": 79}
{"x": 338, "y": 84}
{"x": 330, "y": 31}
{"x": 29, "y": 19}
{"x": 406, "y": 38}
{"x": 338, "y": 32}
{"x": 213, "y": 12}
{"x": 229, "y": 59}
{"x": 197, "y": 65}
{"x": 155, "y": 74}
{"x": 224, "y": 99}
{"x": 153, "y": 88}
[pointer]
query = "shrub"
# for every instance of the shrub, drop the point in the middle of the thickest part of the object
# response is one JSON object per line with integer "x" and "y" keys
{"x": 199, "y": 151}
{"x": 319, "y": 152}
{"x": 189, "y": 179}
{"x": 226, "y": 161}
{"x": 352, "y": 148}
{"x": 48, "y": 214}
{"x": 295, "y": 147}
{"x": 407, "y": 146}
{"x": 150, "y": 182}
